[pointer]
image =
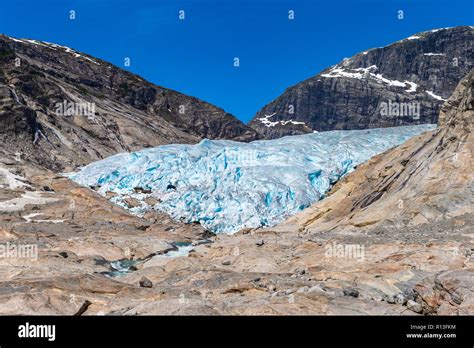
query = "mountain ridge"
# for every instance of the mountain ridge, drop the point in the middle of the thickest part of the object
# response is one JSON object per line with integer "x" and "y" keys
{"x": 425, "y": 180}
{"x": 403, "y": 221}
{"x": 130, "y": 113}
{"x": 417, "y": 72}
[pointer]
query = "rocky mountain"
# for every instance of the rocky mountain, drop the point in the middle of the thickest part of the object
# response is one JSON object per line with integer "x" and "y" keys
{"x": 419, "y": 194}
{"x": 401, "y": 84}
{"x": 61, "y": 108}
{"x": 357, "y": 252}
{"x": 393, "y": 237}
{"x": 426, "y": 180}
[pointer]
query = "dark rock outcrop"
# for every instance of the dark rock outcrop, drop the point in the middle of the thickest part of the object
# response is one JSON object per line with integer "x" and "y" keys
{"x": 427, "y": 181}
{"x": 401, "y": 84}
{"x": 62, "y": 108}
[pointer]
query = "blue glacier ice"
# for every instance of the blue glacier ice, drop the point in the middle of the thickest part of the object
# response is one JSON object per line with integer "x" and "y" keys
{"x": 227, "y": 185}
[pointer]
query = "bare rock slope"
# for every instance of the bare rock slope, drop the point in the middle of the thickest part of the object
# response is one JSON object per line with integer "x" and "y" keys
{"x": 427, "y": 179}
{"x": 418, "y": 194}
{"x": 46, "y": 96}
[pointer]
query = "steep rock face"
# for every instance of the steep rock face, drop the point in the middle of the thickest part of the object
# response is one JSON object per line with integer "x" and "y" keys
{"x": 63, "y": 108}
{"x": 421, "y": 194}
{"x": 428, "y": 179}
{"x": 400, "y": 84}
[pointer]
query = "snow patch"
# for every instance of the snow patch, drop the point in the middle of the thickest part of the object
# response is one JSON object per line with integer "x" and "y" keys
{"x": 359, "y": 73}
{"x": 55, "y": 47}
{"x": 389, "y": 82}
{"x": 413, "y": 87}
{"x": 364, "y": 73}
{"x": 435, "y": 30}
{"x": 431, "y": 94}
{"x": 265, "y": 120}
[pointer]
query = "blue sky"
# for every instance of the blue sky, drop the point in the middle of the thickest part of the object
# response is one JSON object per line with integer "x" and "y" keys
{"x": 196, "y": 55}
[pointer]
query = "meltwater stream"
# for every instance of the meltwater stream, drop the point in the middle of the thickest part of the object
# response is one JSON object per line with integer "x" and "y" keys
{"x": 125, "y": 266}
{"x": 227, "y": 185}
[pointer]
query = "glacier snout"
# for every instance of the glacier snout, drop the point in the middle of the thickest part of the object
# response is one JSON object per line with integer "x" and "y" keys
{"x": 227, "y": 185}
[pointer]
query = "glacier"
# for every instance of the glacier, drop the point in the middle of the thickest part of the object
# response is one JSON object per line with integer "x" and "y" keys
{"x": 227, "y": 186}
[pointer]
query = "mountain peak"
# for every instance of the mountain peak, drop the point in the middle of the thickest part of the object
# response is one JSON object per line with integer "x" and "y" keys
{"x": 64, "y": 108}
{"x": 403, "y": 83}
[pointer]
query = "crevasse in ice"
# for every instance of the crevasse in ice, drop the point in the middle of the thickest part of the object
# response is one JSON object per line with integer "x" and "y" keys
{"x": 227, "y": 185}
